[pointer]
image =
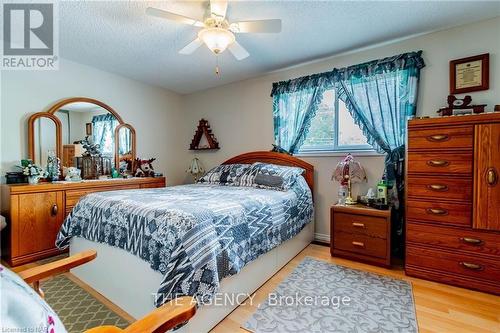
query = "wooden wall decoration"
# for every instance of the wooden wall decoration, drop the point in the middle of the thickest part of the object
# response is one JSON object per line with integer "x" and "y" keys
{"x": 203, "y": 129}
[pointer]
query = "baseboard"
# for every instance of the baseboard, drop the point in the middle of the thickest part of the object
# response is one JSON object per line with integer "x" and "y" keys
{"x": 322, "y": 238}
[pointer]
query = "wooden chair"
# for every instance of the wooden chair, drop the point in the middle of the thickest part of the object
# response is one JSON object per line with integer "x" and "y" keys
{"x": 159, "y": 320}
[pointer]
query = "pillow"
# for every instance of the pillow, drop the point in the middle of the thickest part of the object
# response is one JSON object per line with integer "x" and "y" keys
{"x": 226, "y": 174}
{"x": 270, "y": 176}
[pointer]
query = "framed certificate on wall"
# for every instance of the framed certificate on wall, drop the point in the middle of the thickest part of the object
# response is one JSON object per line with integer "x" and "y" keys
{"x": 470, "y": 74}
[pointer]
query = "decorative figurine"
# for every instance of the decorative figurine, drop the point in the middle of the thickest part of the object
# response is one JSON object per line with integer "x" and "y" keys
{"x": 144, "y": 168}
{"x": 53, "y": 167}
{"x": 73, "y": 174}
{"x": 460, "y": 106}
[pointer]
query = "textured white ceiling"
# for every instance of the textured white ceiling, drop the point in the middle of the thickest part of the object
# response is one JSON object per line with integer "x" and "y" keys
{"x": 117, "y": 36}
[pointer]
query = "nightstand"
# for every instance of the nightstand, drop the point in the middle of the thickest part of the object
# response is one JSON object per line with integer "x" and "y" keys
{"x": 361, "y": 233}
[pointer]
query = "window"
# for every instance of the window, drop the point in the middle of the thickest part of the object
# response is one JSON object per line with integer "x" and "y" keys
{"x": 333, "y": 129}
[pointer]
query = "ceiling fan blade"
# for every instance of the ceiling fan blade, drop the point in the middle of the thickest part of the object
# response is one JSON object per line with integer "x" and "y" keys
{"x": 191, "y": 47}
{"x": 218, "y": 8}
{"x": 238, "y": 51}
{"x": 173, "y": 17}
{"x": 266, "y": 26}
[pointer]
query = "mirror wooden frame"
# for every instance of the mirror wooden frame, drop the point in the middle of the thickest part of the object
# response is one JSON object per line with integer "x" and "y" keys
{"x": 50, "y": 113}
{"x": 117, "y": 145}
{"x": 31, "y": 133}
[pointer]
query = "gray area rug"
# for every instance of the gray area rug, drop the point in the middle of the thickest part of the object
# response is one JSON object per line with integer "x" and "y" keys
{"x": 322, "y": 297}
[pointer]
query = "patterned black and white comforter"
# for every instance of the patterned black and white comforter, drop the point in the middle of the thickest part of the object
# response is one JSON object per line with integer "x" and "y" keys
{"x": 195, "y": 235}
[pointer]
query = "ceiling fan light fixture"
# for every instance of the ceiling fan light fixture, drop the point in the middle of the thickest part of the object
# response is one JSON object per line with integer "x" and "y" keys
{"x": 216, "y": 39}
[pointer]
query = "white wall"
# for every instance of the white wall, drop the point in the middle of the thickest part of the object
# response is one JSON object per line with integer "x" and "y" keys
{"x": 240, "y": 114}
{"x": 154, "y": 112}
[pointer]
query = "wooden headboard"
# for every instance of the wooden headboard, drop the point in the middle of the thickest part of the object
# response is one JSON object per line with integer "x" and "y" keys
{"x": 276, "y": 158}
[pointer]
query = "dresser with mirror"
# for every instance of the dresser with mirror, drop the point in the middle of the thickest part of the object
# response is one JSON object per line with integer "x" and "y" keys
{"x": 36, "y": 212}
{"x": 65, "y": 127}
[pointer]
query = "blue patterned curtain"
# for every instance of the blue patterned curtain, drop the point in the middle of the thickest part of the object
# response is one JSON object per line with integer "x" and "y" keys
{"x": 381, "y": 96}
{"x": 103, "y": 132}
{"x": 295, "y": 103}
{"x": 125, "y": 141}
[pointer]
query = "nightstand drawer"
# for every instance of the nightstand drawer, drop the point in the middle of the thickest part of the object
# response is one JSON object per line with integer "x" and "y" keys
{"x": 369, "y": 246}
{"x": 361, "y": 233}
{"x": 360, "y": 225}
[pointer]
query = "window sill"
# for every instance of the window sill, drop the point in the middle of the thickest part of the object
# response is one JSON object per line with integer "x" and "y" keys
{"x": 339, "y": 153}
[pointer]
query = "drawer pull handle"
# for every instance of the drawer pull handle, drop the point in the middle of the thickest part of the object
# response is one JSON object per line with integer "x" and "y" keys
{"x": 438, "y": 137}
{"x": 360, "y": 244}
{"x": 438, "y": 187}
{"x": 474, "y": 267}
{"x": 358, "y": 225}
{"x": 491, "y": 177}
{"x": 54, "y": 210}
{"x": 438, "y": 163}
{"x": 437, "y": 211}
{"x": 473, "y": 241}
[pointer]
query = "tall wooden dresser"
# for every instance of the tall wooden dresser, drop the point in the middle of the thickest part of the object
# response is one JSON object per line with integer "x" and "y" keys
{"x": 36, "y": 212}
{"x": 453, "y": 201}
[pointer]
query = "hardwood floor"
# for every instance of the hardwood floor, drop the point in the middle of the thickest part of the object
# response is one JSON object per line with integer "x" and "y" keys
{"x": 439, "y": 307}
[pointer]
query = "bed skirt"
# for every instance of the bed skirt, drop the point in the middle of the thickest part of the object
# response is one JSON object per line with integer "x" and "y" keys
{"x": 130, "y": 283}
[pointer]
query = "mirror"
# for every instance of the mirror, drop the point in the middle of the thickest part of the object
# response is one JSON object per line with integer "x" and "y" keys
{"x": 125, "y": 148}
{"x": 83, "y": 133}
{"x": 44, "y": 139}
{"x": 86, "y": 121}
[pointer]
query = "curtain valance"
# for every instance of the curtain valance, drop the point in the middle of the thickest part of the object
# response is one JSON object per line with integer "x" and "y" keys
{"x": 326, "y": 80}
{"x": 301, "y": 83}
{"x": 410, "y": 60}
{"x": 103, "y": 117}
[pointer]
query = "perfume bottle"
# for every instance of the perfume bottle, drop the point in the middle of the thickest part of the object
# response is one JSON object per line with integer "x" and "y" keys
{"x": 53, "y": 166}
{"x": 342, "y": 194}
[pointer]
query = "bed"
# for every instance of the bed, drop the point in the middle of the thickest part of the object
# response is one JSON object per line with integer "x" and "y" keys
{"x": 146, "y": 265}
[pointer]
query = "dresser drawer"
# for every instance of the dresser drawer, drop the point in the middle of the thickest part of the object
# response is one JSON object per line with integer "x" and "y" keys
{"x": 369, "y": 246}
{"x": 440, "y": 163}
{"x": 152, "y": 185}
{"x": 360, "y": 225}
{"x": 442, "y": 138}
{"x": 72, "y": 196}
{"x": 454, "y": 239}
{"x": 440, "y": 188}
{"x": 472, "y": 266}
{"x": 440, "y": 212}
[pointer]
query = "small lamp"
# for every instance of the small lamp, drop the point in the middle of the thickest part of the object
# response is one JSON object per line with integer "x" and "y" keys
{"x": 195, "y": 168}
{"x": 347, "y": 172}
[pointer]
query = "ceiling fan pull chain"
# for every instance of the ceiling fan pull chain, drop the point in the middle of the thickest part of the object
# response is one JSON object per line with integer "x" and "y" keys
{"x": 217, "y": 69}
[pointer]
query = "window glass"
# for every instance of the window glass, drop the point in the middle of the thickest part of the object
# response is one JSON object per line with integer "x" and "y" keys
{"x": 349, "y": 133}
{"x": 333, "y": 129}
{"x": 321, "y": 132}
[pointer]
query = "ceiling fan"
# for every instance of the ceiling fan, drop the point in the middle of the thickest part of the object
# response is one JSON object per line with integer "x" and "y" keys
{"x": 217, "y": 33}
